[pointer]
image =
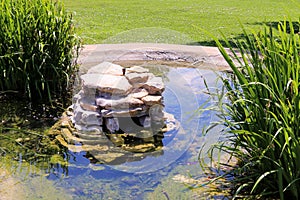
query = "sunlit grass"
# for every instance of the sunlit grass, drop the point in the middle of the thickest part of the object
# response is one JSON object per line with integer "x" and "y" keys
{"x": 97, "y": 21}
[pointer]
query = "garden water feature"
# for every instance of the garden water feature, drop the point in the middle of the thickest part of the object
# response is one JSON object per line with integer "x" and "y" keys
{"x": 159, "y": 172}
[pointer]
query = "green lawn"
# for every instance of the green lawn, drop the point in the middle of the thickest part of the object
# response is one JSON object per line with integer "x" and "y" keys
{"x": 173, "y": 21}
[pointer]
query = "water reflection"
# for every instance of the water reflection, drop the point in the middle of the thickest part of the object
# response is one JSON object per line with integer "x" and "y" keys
{"x": 148, "y": 175}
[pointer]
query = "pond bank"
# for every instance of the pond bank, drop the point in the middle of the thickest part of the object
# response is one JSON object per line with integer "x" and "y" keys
{"x": 184, "y": 55}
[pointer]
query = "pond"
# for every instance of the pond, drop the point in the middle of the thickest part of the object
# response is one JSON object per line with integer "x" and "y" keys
{"x": 162, "y": 174}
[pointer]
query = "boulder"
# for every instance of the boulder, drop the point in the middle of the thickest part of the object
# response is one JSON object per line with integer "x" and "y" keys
{"x": 112, "y": 124}
{"x": 137, "y": 69}
{"x": 113, "y": 104}
{"x": 138, "y": 78}
{"x": 156, "y": 112}
{"x": 132, "y": 112}
{"x": 86, "y": 117}
{"x": 138, "y": 94}
{"x": 106, "y": 68}
{"x": 145, "y": 121}
{"x": 88, "y": 107}
{"x": 151, "y": 100}
{"x": 115, "y": 85}
{"x": 154, "y": 85}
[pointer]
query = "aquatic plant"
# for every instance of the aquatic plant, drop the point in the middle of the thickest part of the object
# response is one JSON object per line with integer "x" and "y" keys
{"x": 38, "y": 47}
{"x": 261, "y": 112}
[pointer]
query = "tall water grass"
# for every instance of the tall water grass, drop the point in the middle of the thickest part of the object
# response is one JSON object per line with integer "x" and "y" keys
{"x": 262, "y": 114}
{"x": 38, "y": 47}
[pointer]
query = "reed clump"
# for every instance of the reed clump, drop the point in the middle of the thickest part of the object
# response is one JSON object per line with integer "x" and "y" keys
{"x": 261, "y": 113}
{"x": 38, "y": 48}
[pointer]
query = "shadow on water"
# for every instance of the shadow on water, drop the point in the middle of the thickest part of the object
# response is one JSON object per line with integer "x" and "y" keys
{"x": 70, "y": 175}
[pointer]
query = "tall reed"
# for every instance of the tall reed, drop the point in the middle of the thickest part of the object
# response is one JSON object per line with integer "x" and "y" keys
{"x": 38, "y": 47}
{"x": 262, "y": 112}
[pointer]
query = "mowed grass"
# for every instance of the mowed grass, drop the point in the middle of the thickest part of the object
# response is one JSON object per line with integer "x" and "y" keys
{"x": 173, "y": 21}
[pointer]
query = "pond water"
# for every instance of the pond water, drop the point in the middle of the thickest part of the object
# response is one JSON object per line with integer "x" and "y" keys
{"x": 159, "y": 175}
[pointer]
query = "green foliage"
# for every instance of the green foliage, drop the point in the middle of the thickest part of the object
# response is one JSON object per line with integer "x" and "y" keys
{"x": 262, "y": 112}
{"x": 38, "y": 44}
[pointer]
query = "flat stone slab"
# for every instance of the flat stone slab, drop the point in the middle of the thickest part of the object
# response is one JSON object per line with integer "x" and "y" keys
{"x": 137, "y": 78}
{"x": 139, "y": 94}
{"x": 119, "y": 103}
{"x": 107, "y": 83}
{"x": 124, "y": 113}
{"x": 137, "y": 69}
{"x": 155, "y": 85}
{"x": 151, "y": 100}
{"x": 106, "y": 68}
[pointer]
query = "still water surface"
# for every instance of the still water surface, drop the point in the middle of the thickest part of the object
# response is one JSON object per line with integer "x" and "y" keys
{"x": 157, "y": 176}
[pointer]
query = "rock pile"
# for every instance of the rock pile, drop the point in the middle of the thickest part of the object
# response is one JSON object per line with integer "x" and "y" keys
{"x": 117, "y": 103}
{"x": 117, "y": 115}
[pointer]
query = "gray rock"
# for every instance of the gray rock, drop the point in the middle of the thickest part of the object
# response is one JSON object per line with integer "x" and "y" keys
{"x": 88, "y": 107}
{"x": 115, "y": 85}
{"x": 137, "y": 69}
{"x": 145, "y": 121}
{"x": 112, "y": 124}
{"x": 138, "y": 94}
{"x": 135, "y": 112}
{"x": 156, "y": 112}
{"x": 154, "y": 85}
{"x": 78, "y": 96}
{"x": 138, "y": 78}
{"x": 106, "y": 68}
{"x": 151, "y": 100}
{"x": 86, "y": 117}
{"x": 87, "y": 104}
{"x": 127, "y": 102}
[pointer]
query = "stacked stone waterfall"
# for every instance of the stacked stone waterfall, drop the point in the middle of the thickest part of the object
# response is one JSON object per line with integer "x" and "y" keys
{"x": 118, "y": 100}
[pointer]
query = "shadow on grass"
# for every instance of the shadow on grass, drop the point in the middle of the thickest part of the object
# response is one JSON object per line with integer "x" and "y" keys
{"x": 232, "y": 41}
{"x": 276, "y": 25}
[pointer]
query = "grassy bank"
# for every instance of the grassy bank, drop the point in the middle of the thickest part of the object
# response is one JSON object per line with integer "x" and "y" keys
{"x": 172, "y": 21}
